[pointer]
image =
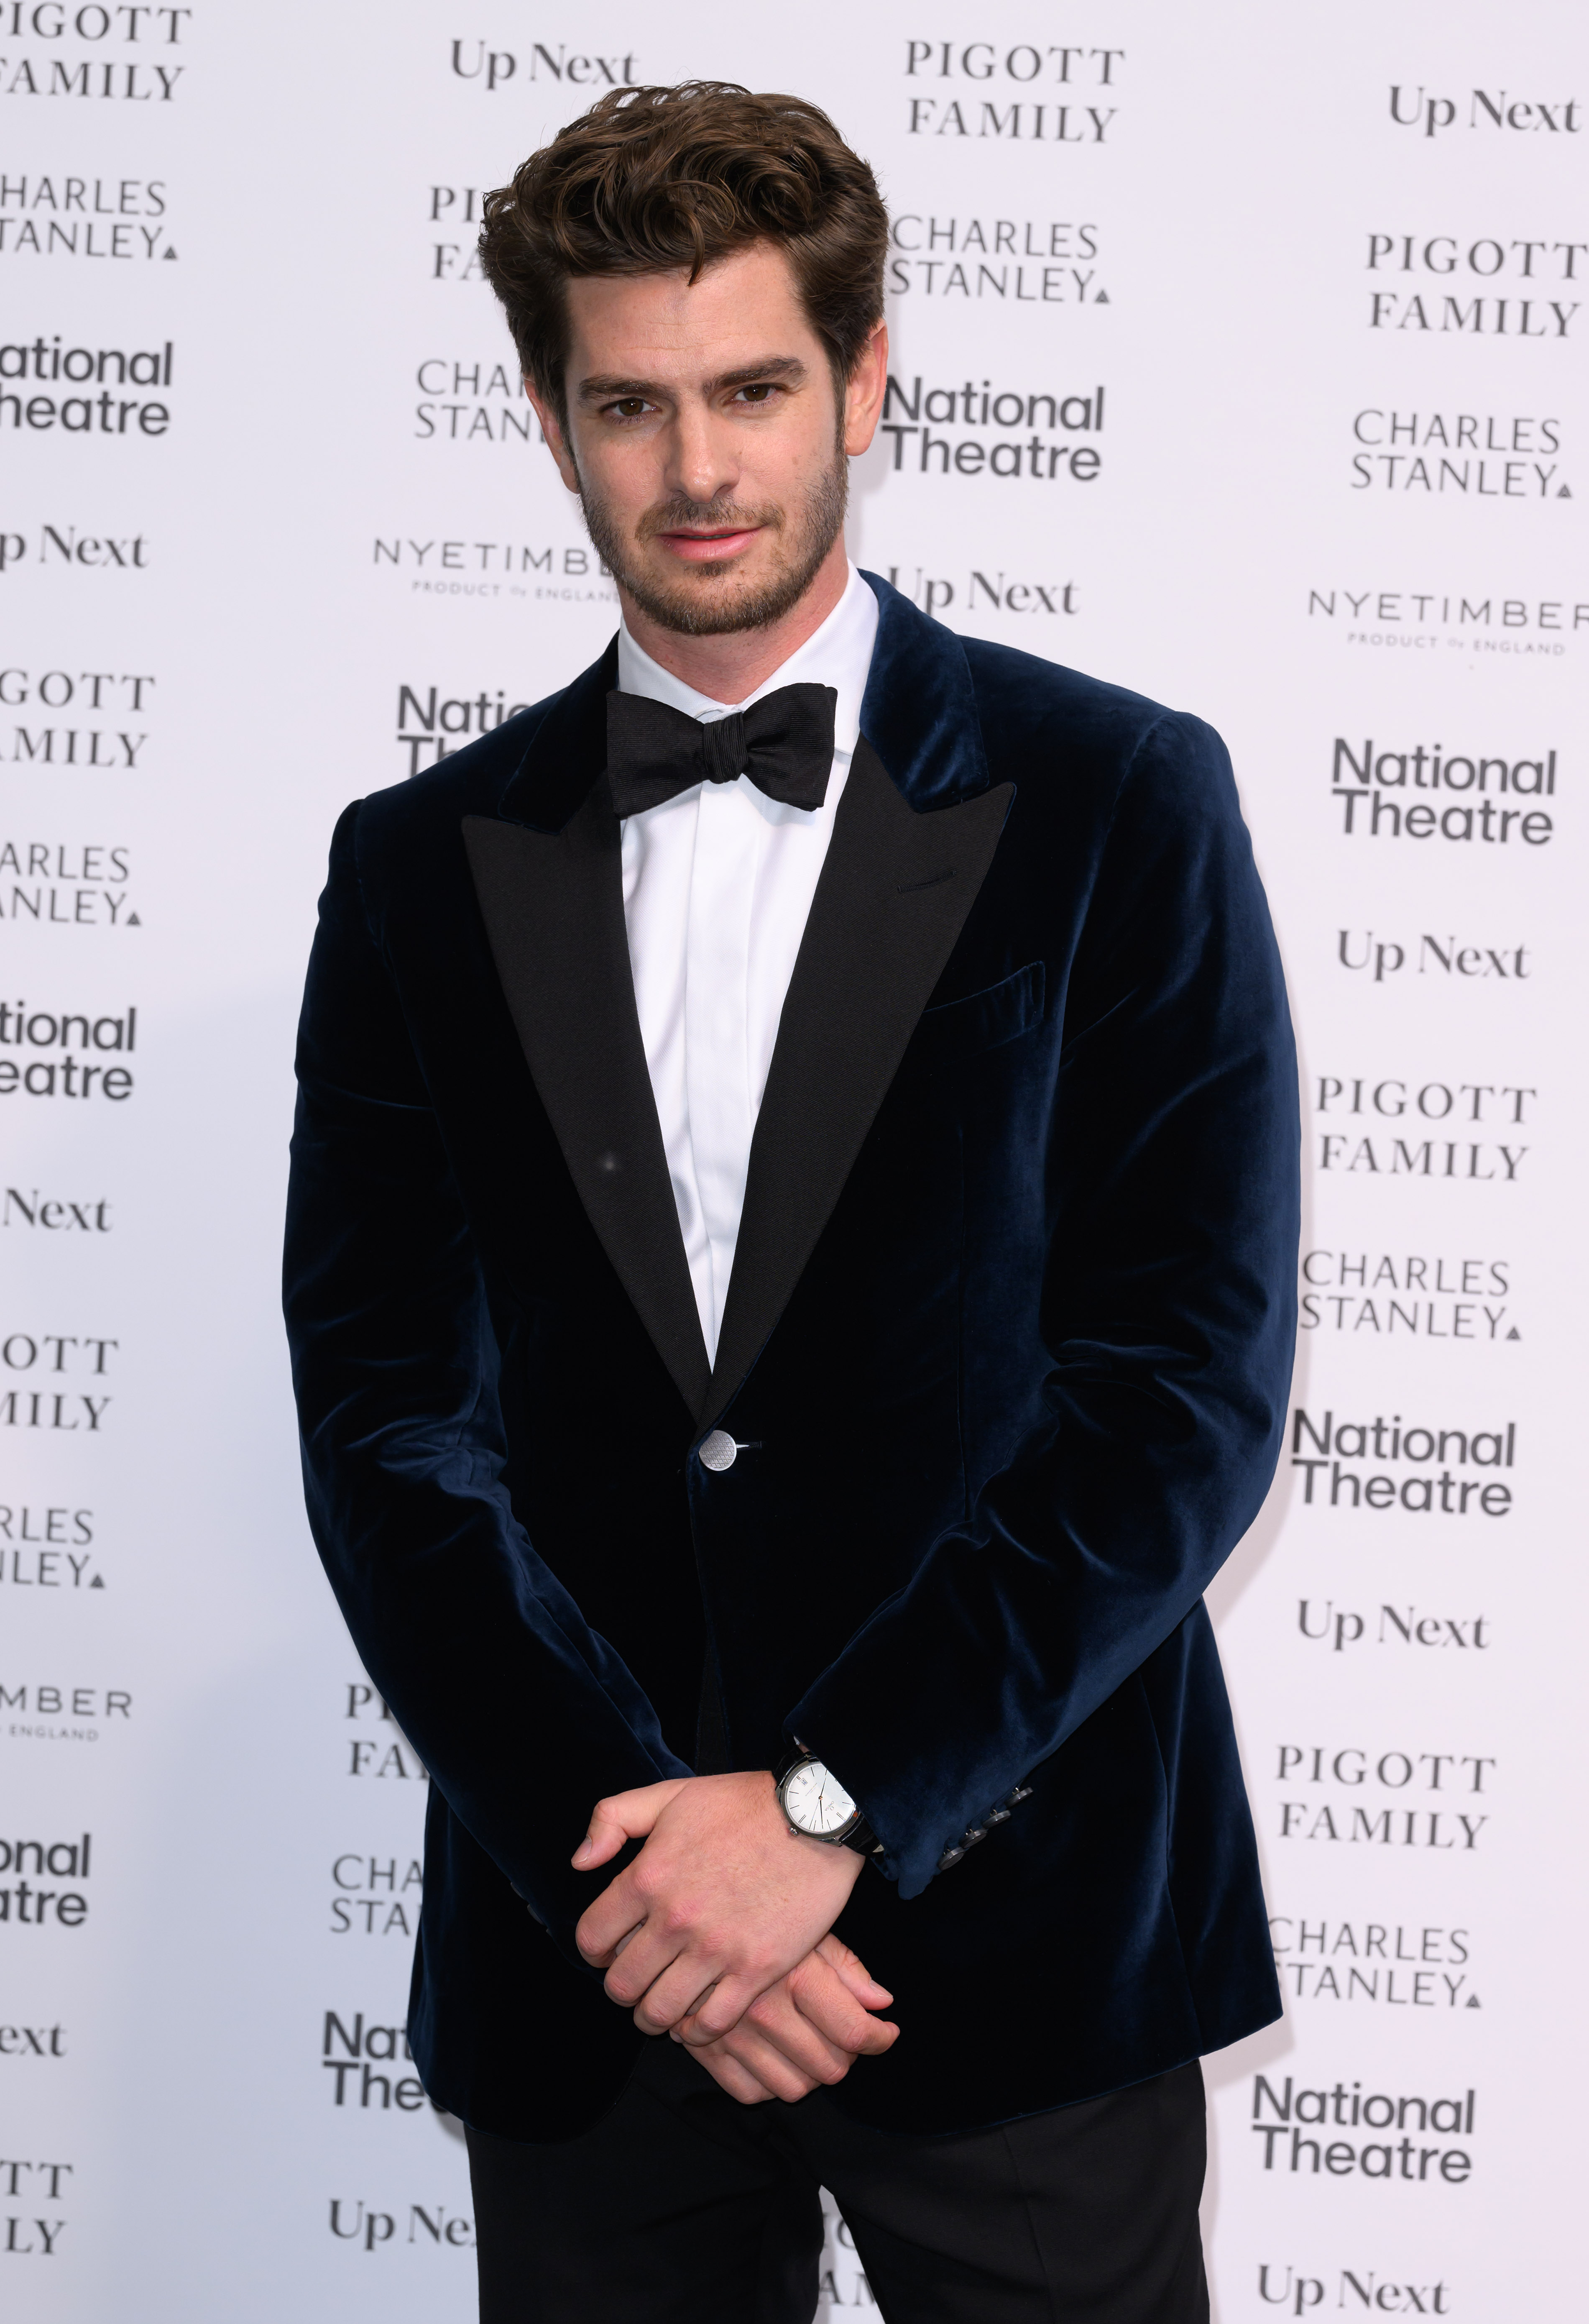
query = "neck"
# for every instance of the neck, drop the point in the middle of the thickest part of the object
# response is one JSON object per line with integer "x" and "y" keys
{"x": 729, "y": 667}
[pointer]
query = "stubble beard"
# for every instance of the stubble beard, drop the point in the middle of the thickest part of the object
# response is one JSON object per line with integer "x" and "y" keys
{"x": 690, "y": 605}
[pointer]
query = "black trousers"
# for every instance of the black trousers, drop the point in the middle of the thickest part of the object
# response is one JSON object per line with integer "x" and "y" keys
{"x": 682, "y": 2207}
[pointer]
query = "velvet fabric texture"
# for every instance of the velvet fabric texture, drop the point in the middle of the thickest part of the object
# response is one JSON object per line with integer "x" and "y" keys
{"x": 1006, "y": 1354}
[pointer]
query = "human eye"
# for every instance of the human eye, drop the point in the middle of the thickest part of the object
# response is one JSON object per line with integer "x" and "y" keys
{"x": 757, "y": 394}
{"x": 628, "y": 408}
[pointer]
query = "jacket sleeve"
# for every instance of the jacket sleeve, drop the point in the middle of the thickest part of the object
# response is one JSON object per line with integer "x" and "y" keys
{"x": 1168, "y": 1319}
{"x": 488, "y": 1664}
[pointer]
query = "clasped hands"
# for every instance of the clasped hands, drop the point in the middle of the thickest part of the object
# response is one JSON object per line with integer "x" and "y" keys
{"x": 720, "y": 1935}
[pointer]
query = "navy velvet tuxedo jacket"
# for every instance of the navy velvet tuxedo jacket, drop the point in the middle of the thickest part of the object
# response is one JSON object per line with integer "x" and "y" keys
{"x": 1007, "y": 1346}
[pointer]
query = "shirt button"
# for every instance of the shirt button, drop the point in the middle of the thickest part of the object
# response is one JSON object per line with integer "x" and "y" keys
{"x": 719, "y": 1450}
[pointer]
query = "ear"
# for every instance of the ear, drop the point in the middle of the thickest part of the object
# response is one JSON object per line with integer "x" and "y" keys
{"x": 557, "y": 440}
{"x": 864, "y": 391}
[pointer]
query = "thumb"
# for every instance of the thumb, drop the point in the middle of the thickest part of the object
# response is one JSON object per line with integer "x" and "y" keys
{"x": 852, "y": 1973}
{"x": 627, "y": 1815}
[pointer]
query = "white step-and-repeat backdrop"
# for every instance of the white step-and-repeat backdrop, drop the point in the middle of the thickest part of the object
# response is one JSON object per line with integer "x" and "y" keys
{"x": 1238, "y": 356}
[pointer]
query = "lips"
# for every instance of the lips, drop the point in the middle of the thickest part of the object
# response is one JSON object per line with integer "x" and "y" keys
{"x": 703, "y": 547}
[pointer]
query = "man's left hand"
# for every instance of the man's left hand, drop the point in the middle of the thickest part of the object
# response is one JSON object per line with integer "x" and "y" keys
{"x": 804, "y": 2033}
{"x": 720, "y": 1903}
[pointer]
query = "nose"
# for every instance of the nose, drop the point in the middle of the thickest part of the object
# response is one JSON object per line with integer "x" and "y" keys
{"x": 702, "y": 465}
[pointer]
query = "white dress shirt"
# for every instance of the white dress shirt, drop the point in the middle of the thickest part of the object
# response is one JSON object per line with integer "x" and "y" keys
{"x": 717, "y": 885}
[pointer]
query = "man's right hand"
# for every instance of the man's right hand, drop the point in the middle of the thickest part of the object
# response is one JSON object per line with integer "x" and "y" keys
{"x": 804, "y": 2032}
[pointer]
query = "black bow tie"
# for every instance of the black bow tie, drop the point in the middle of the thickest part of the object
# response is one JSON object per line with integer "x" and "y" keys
{"x": 784, "y": 743}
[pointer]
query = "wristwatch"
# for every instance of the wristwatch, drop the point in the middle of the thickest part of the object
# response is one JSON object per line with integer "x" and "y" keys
{"x": 818, "y": 1806}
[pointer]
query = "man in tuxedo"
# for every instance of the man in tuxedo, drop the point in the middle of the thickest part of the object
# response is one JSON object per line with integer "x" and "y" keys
{"x": 789, "y": 1274}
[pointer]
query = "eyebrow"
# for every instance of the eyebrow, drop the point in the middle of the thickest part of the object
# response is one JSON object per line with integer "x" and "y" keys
{"x": 601, "y": 387}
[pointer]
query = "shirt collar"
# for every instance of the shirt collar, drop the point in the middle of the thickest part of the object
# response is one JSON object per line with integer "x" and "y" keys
{"x": 839, "y": 654}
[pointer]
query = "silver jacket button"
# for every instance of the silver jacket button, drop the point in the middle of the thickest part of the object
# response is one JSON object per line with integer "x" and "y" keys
{"x": 719, "y": 1450}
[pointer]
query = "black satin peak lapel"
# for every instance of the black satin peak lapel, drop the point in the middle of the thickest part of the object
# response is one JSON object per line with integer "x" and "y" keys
{"x": 553, "y": 906}
{"x": 891, "y": 899}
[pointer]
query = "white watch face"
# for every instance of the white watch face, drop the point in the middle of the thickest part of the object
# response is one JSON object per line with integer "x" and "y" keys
{"x": 815, "y": 1801}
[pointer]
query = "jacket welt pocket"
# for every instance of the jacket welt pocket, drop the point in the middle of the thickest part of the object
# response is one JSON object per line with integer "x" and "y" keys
{"x": 981, "y": 1020}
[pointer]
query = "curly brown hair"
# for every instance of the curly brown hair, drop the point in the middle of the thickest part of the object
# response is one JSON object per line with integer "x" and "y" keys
{"x": 651, "y": 181}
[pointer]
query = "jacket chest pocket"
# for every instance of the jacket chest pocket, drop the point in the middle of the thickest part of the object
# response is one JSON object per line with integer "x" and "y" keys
{"x": 981, "y": 1020}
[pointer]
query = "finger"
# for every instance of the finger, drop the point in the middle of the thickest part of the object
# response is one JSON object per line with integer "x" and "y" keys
{"x": 651, "y": 1953}
{"x": 820, "y": 1997}
{"x": 823, "y": 2051}
{"x": 774, "y": 2020}
{"x": 732, "y": 2072}
{"x": 796, "y": 2037}
{"x": 738, "y": 2081}
{"x": 614, "y": 1919}
{"x": 721, "y": 2010}
{"x": 680, "y": 1986}
{"x": 626, "y": 1815}
{"x": 777, "y": 2074}
{"x": 849, "y": 1967}
{"x": 617, "y": 1913}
